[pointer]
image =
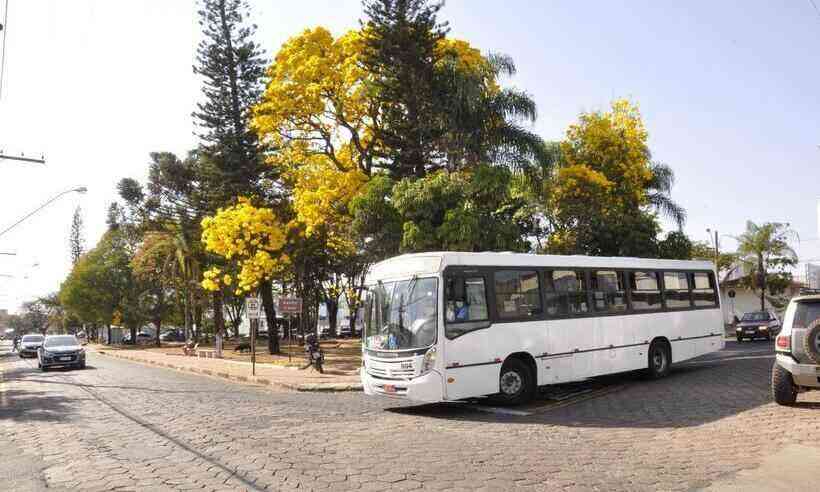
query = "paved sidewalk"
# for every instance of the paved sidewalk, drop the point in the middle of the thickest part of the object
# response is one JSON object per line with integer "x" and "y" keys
{"x": 266, "y": 374}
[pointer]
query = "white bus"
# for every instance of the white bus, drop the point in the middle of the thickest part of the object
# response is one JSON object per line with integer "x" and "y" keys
{"x": 449, "y": 326}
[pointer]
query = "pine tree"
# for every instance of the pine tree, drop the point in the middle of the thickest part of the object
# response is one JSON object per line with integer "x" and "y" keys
{"x": 76, "y": 239}
{"x": 401, "y": 56}
{"x": 232, "y": 67}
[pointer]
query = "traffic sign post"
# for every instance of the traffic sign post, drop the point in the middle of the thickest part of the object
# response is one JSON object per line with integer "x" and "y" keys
{"x": 290, "y": 306}
{"x": 252, "y": 307}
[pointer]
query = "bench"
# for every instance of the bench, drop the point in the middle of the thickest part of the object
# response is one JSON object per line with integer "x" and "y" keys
{"x": 206, "y": 353}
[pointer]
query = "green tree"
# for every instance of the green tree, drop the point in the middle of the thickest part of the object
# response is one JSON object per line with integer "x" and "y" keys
{"x": 400, "y": 55}
{"x": 675, "y": 246}
{"x": 76, "y": 238}
{"x": 36, "y": 316}
{"x": 462, "y": 211}
{"x": 767, "y": 256}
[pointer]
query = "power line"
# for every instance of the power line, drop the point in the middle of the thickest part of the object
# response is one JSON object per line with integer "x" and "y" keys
{"x": 815, "y": 7}
{"x": 5, "y": 29}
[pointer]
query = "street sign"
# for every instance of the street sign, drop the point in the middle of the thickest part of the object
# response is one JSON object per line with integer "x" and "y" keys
{"x": 731, "y": 294}
{"x": 252, "y": 306}
{"x": 290, "y": 305}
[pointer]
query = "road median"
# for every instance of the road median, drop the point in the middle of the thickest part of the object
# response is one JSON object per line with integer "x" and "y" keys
{"x": 270, "y": 375}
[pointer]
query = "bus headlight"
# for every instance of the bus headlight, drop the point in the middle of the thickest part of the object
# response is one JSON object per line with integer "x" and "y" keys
{"x": 429, "y": 361}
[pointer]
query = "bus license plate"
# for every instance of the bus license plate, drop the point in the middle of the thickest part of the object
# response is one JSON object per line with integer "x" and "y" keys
{"x": 389, "y": 388}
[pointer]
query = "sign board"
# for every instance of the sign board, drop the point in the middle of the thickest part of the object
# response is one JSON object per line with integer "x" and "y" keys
{"x": 252, "y": 306}
{"x": 731, "y": 294}
{"x": 290, "y": 305}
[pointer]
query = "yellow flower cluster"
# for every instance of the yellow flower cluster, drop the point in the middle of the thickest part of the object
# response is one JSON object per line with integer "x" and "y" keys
{"x": 607, "y": 152}
{"x": 252, "y": 238}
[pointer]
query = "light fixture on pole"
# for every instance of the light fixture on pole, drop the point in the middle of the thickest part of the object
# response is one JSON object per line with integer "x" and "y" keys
{"x": 80, "y": 189}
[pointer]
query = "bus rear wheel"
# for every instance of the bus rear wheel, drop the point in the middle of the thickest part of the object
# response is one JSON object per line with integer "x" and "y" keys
{"x": 660, "y": 359}
{"x": 516, "y": 383}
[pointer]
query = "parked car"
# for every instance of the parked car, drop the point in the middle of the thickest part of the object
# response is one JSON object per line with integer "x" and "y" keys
{"x": 797, "y": 351}
{"x": 142, "y": 337}
{"x": 29, "y": 345}
{"x": 758, "y": 324}
{"x": 172, "y": 336}
{"x": 60, "y": 350}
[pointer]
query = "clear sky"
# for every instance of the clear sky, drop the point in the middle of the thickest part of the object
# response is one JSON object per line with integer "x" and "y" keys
{"x": 729, "y": 92}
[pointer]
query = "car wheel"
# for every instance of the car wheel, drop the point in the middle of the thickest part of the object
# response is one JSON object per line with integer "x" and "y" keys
{"x": 659, "y": 359}
{"x": 516, "y": 383}
{"x": 739, "y": 339}
{"x": 811, "y": 342}
{"x": 784, "y": 392}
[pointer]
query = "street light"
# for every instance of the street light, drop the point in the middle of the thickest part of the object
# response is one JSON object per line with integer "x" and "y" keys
{"x": 81, "y": 189}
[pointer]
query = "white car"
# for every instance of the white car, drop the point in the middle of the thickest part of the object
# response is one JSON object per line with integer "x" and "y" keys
{"x": 797, "y": 347}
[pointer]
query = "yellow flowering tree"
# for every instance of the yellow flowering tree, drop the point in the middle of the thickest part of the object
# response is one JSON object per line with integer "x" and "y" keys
{"x": 606, "y": 189}
{"x": 251, "y": 239}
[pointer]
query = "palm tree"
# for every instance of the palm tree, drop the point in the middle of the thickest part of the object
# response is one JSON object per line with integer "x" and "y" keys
{"x": 659, "y": 193}
{"x": 762, "y": 247}
{"x": 484, "y": 122}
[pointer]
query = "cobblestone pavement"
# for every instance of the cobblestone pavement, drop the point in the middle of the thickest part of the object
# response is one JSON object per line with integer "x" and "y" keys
{"x": 121, "y": 425}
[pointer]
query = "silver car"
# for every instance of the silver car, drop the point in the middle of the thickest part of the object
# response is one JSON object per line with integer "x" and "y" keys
{"x": 61, "y": 350}
{"x": 29, "y": 345}
{"x": 797, "y": 347}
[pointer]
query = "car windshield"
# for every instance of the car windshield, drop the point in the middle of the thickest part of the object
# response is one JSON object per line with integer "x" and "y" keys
{"x": 756, "y": 316}
{"x": 33, "y": 338}
{"x": 402, "y": 315}
{"x": 60, "y": 341}
{"x": 806, "y": 313}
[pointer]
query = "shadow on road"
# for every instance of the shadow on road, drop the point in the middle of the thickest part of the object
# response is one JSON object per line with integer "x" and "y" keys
{"x": 703, "y": 390}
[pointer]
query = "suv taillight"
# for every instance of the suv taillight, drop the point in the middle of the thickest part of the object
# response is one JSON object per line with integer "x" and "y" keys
{"x": 784, "y": 343}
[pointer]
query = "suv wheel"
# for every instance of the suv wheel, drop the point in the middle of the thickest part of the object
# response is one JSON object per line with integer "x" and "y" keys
{"x": 811, "y": 342}
{"x": 784, "y": 391}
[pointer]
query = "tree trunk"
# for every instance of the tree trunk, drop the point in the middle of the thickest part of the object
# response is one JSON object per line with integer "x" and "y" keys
{"x": 108, "y": 339}
{"x": 266, "y": 290}
{"x": 332, "y": 306}
{"x": 760, "y": 268}
{"x": 219, "y": 321}
{"x": 187, "y": 316}
{"x": 197, "y": 320}
{"x": 158, "y": 324}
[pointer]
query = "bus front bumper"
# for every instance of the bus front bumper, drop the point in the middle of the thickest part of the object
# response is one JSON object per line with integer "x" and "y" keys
{"x": 427, "y": 388}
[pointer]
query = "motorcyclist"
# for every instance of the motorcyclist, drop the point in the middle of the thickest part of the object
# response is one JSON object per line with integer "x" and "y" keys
{"x": 16, "y": 343}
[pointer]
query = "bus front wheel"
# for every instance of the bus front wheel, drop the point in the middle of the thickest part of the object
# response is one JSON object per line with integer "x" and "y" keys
{"x": 660, "y": 359}
{"x": 516, "y": 383}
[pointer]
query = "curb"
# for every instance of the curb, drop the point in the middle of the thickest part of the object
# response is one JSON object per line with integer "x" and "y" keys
{"x": 302, "y": 387}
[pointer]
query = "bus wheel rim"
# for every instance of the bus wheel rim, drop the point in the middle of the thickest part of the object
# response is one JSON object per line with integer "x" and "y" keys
{"x": 659, "y": 359}
{"x": 511, "y": 383}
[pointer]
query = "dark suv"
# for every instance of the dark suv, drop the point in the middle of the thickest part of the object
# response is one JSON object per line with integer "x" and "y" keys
{"x": 758, "y": 324}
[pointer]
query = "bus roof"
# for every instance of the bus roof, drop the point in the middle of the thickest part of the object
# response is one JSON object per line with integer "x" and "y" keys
{"x": 433, "y": 262}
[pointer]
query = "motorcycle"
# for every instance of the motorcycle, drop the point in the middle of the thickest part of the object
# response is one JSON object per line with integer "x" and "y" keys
{"x": 315, "y": 356}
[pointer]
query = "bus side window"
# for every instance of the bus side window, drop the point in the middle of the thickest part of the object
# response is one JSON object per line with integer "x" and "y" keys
{"x": 676, "y": 289}
{"x": 570, "y": 293}
{"x": 517, "y": 294}
{"x": 466, "y": 300}
{"x": 704, "y": 291}
{"x": 608, "y": 291}
{"x": 646, "y": 291}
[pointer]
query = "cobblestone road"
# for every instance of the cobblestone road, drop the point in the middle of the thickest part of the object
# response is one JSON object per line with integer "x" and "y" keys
{"x": 120, "y": 425}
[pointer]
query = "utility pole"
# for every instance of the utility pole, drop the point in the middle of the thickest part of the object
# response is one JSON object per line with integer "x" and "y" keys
{"x": 717, "y": 246}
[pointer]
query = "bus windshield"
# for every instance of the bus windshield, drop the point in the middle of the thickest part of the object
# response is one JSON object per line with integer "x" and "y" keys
{"x": 402, "y": 315}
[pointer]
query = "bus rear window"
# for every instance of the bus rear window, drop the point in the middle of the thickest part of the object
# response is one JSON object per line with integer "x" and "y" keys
{"x": 806, "y": 313}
